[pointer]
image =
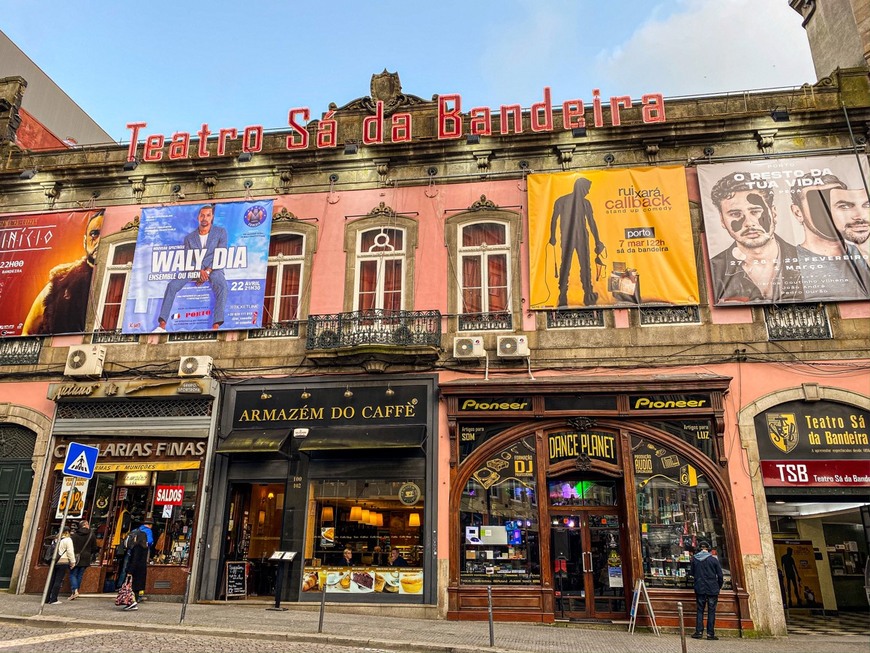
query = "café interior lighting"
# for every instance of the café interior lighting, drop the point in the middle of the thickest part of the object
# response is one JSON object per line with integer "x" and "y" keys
{"x": 30, "y": 173}
{"x": 327, "y": 514}
{"x": 355, "y": 513}
{"x": 380, "y": 522}
{"x": 364, "y": 517}
{"x": 414, "y": 520}
{"x": 244, "y": 157}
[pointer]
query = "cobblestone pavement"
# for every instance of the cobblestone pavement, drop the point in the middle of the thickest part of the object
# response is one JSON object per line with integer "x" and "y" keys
{"x": 247, "y": 625}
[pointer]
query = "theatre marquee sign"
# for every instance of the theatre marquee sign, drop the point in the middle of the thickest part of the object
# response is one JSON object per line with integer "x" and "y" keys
{"x": 397, "y": 127}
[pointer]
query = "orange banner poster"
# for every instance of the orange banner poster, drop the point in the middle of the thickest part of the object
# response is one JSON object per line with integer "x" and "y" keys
{"x": 611, "y": 238}
{"x": 46, "y": 265}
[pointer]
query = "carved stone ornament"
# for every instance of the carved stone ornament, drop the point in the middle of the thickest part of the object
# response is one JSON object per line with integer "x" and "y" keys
{"x": 387, "y": 88}
{"x": 381, "y": 211}
{"x": 483, "y": 204}
{"x": 583, "y": 462}
{"x": 581, "y": 423}
{"x": 284, "y": 216}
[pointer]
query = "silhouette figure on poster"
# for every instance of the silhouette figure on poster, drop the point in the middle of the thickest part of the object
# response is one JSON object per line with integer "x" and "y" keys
{"x": 574, "y": 213}
{"x": 792, "y": 577}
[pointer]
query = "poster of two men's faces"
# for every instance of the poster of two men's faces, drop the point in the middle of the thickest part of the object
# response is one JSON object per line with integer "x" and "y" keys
{"x": 787, "y": 230}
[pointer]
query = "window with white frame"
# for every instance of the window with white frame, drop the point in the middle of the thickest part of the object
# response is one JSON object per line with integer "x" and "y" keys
{"x": 284, "y": 279}
{"x": 380, "y": 269}
{"x": 484, "y": 267}
{"x": 117, "y": 279}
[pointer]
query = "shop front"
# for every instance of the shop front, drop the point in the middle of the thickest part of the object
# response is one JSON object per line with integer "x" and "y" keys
{"x": 567, "y": 493}
{"x": 813, "y": 446}
{"x": 343, "y": 475}
{"x": 151, "y": 467}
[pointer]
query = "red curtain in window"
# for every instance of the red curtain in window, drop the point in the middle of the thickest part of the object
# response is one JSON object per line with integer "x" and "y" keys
{"x": 112, "y": 304}
{"x": 289, "y": 309}
{"x": 269, "y": 297}
{"x": 393, "y": 285}
{"x": 497, "y": 283}
{"x": 368, "y": 285}
{"x": 472, "y": 299}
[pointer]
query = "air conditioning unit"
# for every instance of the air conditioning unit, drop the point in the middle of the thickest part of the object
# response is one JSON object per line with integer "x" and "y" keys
{"x": 85, "y": 360}
{"x": 195, "y": 366}
{"x": 513, "y": 347}
{"x": 468, "y": 347}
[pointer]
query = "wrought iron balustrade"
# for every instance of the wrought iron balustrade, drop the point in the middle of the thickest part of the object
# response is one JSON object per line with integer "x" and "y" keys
{"x": 112, "y": 336}
{"x": 500, "y": 321}
{"x": 669, "y": 315}
{"x": 286, "y": 329}
{"x": 570, "y": 318}
{"x": 797, "y": 322}
{"x": 377, "y": 327}
{"x": 20, "y": 351}
{"x": 193, "y": 336}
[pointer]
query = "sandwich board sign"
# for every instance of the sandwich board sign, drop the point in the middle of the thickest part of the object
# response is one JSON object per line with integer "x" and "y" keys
{"x": 81, "y": 460}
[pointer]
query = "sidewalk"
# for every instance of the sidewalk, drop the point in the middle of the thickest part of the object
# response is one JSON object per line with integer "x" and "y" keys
{"x": 251, "y": 620}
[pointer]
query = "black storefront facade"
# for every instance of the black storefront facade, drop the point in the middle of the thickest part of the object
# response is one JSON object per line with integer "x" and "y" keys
{"x": 567, "y": 491}
{"x": 339, "y": 471}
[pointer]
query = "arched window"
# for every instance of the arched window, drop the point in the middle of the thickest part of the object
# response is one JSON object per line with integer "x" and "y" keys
{"x": 380, "y": 269}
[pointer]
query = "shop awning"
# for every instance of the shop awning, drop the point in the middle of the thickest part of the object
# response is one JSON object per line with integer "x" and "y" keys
{"x": 256, "y": 441}
{"x": 346, "y": 438}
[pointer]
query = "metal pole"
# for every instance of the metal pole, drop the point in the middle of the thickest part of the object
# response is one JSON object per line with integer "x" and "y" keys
{"x": 489, "y": 608}
{"x": 186, "y": 597}
{"x": 48, "y": 580}
{"x": 322, "y": 608}
{"x": 682, "y": 626}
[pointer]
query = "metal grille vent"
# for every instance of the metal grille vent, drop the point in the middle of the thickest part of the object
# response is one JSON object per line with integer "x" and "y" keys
{"x": 16, "y": 441}
{"x": 134, "y": 409}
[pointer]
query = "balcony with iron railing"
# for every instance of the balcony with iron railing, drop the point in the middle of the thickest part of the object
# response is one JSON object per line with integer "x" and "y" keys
{"x": 398, "y": 334}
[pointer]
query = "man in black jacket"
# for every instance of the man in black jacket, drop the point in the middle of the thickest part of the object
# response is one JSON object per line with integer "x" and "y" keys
{"x": 708, "y": 581}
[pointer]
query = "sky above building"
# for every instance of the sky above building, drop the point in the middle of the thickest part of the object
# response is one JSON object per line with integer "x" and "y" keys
{"x": 175, "y": 65}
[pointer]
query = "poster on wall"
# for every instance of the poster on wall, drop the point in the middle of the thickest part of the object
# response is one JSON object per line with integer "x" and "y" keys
{"x": 199, "y": 267}
{"x": 798, "y": 575}
{"x": 46, "y": 265}
{"x": 72, "y": 491}
{"x": 787, "y": 230}
{"x": 611, "y": 238}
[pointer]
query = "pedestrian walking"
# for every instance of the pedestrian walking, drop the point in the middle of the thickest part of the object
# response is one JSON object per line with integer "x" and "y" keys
{"x": 85, "y": 544}
{"x": 707, "y": 572}
{"x": 138, "y": 567}
{"x": 66, "y": 558}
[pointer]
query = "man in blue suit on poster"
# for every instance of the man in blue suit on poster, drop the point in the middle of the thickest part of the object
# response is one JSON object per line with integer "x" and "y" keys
{"x": 207, "y": 238}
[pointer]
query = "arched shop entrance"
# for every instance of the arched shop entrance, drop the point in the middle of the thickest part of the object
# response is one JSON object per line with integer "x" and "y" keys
{"x": 563, "y": 499}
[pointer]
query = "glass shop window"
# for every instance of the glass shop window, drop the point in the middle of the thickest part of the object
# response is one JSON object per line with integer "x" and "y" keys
{"x": 365, "y": 536}
{"x": 498, "y": 520}
{"x": 116, "y": 502}
{"x": 677, "y": 509}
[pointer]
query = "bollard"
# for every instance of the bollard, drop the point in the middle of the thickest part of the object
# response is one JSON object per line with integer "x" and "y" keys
{"x": 186, "y": 598}
{"x": 682, "y": 626}
{"x": 322, "y": 608}
{"x": 489, "y": 608}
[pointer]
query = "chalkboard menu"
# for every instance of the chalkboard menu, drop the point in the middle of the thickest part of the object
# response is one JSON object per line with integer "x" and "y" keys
{"x": 237, "y": 579}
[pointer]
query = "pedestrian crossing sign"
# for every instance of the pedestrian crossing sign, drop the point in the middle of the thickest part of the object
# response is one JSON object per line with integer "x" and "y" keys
{"x": 81, "y": 460}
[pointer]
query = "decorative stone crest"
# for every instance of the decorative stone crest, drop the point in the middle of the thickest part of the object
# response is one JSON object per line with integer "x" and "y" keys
{"x": 387, "y": 88}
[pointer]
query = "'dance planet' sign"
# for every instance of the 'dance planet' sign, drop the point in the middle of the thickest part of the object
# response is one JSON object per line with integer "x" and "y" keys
{"x": 397, "y": 127}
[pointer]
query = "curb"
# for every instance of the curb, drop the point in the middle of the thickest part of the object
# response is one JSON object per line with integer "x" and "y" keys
{"x": 313, "y": 638}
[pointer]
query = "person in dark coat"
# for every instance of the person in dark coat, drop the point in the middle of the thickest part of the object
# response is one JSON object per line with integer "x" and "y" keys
{"x": 707, "y": 572}
{"x": 85, "y": 544}
{"x": 138, "y": 567}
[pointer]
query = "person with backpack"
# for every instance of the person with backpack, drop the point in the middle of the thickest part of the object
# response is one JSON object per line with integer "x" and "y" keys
{"x": 84, "y": 543}
{"x": 66, "y": 558}
{"x": 139, "y": 555}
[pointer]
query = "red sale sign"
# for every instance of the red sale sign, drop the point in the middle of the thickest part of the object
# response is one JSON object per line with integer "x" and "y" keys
{"x": 169, "y": 495}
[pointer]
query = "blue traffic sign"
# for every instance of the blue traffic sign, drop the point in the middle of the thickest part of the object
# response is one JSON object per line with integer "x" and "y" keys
{"x": 81, "y": 460}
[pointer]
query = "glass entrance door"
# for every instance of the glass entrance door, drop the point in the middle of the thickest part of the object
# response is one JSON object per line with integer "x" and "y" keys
{"x": 587, "y": 564}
